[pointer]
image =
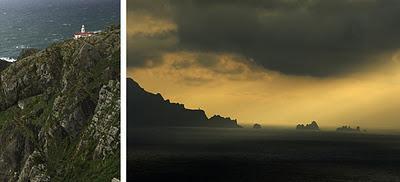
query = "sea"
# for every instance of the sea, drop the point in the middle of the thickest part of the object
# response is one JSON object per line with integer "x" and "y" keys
{"x": 39, "y": 23}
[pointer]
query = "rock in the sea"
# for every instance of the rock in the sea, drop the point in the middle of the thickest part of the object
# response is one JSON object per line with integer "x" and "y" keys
{"x": 349, "y": 129}
{"x": 257, "y": 126}
{"x": 312, "y": 126}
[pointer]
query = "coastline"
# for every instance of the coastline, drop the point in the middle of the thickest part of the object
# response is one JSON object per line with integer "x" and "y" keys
{"x": 8, "y": 59}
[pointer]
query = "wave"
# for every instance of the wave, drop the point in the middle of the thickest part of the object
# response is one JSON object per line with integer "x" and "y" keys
{"x": 22, "y": 46}
{"x": 8, "y": 59}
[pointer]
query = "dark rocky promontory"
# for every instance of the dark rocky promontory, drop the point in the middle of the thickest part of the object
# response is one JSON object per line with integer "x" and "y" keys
{"x": 152, "y": 110}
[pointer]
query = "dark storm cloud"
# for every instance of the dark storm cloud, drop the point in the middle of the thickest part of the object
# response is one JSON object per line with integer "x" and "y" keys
{"x": 303, "y": 37}
{"x": 160, "y": 8}
{"x": 297, "y": 37}
{"x": 146, "y": 50}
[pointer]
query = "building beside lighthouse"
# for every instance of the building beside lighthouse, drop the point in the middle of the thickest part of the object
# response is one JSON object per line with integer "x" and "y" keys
{"x": 83, "y": 33}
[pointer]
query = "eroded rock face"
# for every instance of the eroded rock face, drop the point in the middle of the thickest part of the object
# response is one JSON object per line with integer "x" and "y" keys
{"x": 53, "y": 101}
{"x": 104, "y": 131}
{"x": 34, "y": 170}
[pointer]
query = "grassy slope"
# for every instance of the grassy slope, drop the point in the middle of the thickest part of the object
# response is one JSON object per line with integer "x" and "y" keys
{"x": 63, "y": 162}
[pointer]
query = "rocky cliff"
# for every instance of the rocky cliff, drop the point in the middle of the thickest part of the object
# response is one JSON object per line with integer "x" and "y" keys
{"x": 151, "y": 110}
{"x": 60, "y": 112}
{"x": 3, "y": 64}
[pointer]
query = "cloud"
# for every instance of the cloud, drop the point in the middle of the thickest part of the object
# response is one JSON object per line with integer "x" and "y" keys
{"x": 297, "y": 37}
{"x": 272, "y": 62}
{"x": 146, "y": 50}
{"x": 150, "y": 33}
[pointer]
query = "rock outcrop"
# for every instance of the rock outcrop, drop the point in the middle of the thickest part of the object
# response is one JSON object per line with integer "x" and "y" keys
{"x": 3, "y": 64}
{"x": 60, "y": 112}
{"x": 219, "y": 121}
{"x": 348, "y": 129}
{"x": 312, "y": 126}
{"x": 27, "y": 52}
{"x": 257, "y": 126}
{"x": 151, "y": 110}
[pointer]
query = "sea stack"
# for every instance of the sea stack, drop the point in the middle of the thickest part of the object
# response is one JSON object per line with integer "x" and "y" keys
{"x": 257, "y": 126}
{"x": 348, "y": 129}
{"x": 312, "y": 126}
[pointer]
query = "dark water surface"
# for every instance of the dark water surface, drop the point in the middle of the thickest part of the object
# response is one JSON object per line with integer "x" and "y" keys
{"x": 38, "y": 23}
{"x": 188, "y": 154}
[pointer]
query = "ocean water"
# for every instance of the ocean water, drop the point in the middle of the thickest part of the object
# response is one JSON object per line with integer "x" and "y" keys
{"x": 38, "y": 23}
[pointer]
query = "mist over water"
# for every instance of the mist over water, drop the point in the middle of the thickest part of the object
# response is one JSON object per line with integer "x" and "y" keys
{"x": 36, "y": 24}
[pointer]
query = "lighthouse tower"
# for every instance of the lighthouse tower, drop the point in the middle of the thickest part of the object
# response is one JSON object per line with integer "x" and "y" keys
{"x": 83, "y": 29}
{"x": 83, "y": 33}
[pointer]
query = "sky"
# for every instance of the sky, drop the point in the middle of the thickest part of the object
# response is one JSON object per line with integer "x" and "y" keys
{"x": 275, "y": 62}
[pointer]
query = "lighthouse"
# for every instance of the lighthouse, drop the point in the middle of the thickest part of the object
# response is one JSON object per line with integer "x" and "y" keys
{"x": 82, "y": 33}
{"x": 83, "y": 29}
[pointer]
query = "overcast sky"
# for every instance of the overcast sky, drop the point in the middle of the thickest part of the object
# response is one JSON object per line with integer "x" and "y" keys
{"x": 275, "y": 61}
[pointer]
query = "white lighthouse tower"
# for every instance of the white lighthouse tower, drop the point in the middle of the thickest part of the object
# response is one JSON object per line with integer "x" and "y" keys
{"x": 83, "y": 29}
{"x": 83, "y": 33}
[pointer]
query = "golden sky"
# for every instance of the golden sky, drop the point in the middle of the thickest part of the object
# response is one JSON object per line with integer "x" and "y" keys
{"x": 233, "y": 84}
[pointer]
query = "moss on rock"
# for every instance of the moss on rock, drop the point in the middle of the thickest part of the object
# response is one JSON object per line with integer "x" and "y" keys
{"x": 59, "y": 112}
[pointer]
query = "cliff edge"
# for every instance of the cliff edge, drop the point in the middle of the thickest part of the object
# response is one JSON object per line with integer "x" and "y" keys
{"x": 60, "y": 112}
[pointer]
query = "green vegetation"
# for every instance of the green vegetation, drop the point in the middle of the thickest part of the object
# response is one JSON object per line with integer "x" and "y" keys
{"x": 57, "y": 107}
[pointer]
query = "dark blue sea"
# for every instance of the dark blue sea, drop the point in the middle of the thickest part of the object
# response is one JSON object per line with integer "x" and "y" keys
{"x": 38, "y": 23}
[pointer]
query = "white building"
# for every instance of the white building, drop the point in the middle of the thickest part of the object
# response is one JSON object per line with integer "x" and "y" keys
{"x": 82, "y": 33}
